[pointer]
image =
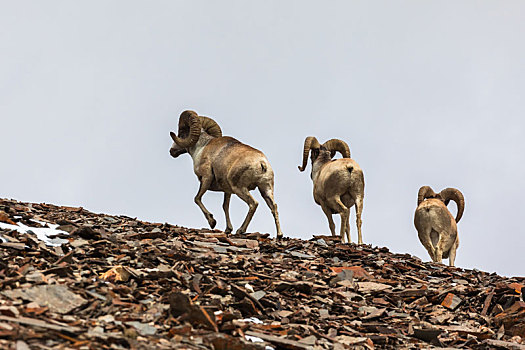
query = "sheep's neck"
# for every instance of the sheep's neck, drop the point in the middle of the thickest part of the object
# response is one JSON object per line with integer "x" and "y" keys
{"x": 196, "y": 149}
{"x": 318, "y": 163}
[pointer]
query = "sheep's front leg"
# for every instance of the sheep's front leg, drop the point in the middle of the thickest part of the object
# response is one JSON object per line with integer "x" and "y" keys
{"x": 204, "y": 186}
{"x": 226, "y": 207}
{"x": 245, "y": 195}
{"x": 328, "y": 214}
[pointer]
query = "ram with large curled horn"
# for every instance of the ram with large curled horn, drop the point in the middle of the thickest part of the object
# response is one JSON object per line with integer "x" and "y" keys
{"x": 224, "y": 164}
{"x": 339, "y": 184}
{"x": 437, "y": 228}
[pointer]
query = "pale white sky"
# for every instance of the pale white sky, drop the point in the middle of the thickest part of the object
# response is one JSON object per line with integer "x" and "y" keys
{"x": 424, "y": 92}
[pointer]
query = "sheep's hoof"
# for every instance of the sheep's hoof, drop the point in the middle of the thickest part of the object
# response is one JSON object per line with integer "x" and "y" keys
{"x": 228, "y": 230}
{"x": 240, "y": 231}
{"x": 212, "y": 222}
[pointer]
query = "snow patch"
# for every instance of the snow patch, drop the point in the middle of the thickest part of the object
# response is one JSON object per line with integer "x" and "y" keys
{"x": 45, "y": 234}
{"x": 253, "y": 320}
{"x": 257, "y": 340}
{"x": 253, "y": 339}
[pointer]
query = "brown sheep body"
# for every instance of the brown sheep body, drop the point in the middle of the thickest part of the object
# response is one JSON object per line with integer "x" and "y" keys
{"x": 437, "y": 228}
{"x": 224, "y": 164}
{"x": 338, "y": 183}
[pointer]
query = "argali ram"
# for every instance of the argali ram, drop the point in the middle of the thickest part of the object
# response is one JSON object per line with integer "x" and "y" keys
{"x": 437, "y": 229}
{"x": 224, "y": 164}
{"x": 339, "y": 184}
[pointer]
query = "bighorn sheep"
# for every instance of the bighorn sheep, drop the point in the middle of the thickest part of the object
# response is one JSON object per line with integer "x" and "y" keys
{"x": 436, "y": 227}
{"x": 224, "y": 164}
{"x": 338, "y": 184}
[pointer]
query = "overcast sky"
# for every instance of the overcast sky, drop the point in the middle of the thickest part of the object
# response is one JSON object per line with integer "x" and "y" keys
{"x": 424, "y": 92}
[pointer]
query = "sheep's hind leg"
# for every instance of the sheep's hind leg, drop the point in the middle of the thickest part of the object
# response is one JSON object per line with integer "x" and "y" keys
{"x": 204, "y": 186}
{"x": 245, "y": 195}
{"x": 452, "y": 253}
{"x": 358, "y": 221}
{"x": 438, "y": 255}
{"x": 328, "y": 214}
{"x": 267, "y": 194}
{"x": 344, "y": 220}
{"x": 344, "y": 212}
{"x": 424, "y": 237}
{"x": 347, "y": 228}
{"x": 439, "y": 247}
{"x": 226, "y": 208}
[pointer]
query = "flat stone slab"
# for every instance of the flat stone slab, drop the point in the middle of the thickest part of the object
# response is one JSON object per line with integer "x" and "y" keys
{"x": 56, "y": 297}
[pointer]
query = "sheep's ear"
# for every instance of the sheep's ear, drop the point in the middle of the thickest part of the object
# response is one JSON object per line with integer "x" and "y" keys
{"x": 173, "y": 136}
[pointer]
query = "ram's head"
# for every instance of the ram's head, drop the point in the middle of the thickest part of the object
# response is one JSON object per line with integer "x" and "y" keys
{"x": 330, "y": 147}
{"x": 191, "y": 125}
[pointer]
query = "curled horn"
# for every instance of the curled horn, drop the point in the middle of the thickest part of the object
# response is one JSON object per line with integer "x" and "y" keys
{"x": 454, "y": 194}
{"x": 211, "y": 127}
{"x": 335, "y": 145}
{"x": 191, "y": 119}
{"x": 309, "y": 142}
{"x": 424, "y": 193}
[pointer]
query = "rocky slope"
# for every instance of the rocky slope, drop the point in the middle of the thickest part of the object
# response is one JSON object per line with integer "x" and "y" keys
{"x": 109, "y": 282}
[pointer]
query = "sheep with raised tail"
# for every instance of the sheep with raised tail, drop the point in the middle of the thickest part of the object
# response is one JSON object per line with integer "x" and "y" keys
{"x": 339, "y": 184}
